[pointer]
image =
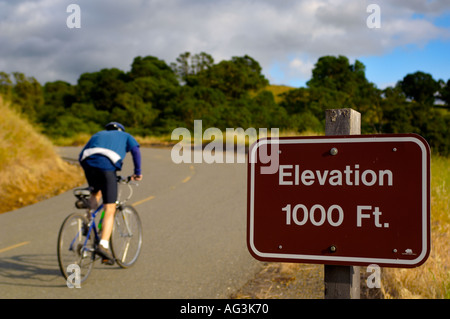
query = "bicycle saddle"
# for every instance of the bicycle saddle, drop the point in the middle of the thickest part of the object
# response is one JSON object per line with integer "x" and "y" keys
{"x": 83, "y": 191}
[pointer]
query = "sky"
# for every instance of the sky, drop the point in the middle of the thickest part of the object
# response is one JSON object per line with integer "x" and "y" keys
{"x": 392, "y": 38}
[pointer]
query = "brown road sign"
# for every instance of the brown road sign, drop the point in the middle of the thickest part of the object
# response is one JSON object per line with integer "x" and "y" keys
{"x": 342, "y": 200}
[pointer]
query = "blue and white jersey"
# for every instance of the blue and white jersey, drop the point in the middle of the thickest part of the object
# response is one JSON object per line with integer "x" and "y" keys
{"x": 112, "y": 145}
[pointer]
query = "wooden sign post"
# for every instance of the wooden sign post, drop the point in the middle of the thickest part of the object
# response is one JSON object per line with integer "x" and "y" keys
{"x": 342, "y": 282}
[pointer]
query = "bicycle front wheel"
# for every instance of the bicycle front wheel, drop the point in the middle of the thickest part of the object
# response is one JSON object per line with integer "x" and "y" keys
{"x": 73, "y": 249}
{"x": 126, "y": 238}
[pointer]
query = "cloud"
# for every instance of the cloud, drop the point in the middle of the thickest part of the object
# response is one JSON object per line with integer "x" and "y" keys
{"x": 301, "y": 67}
{"x": 286, "y": 35}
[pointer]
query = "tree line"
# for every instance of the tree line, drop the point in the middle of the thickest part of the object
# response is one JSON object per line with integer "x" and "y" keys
{"x": 154, "y": 98}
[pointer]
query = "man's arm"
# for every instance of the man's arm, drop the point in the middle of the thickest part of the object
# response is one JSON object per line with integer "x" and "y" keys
{"x": 136, "y": 153}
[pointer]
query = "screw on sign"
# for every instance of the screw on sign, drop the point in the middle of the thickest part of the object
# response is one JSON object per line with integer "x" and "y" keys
{"x": 341, "y": 200}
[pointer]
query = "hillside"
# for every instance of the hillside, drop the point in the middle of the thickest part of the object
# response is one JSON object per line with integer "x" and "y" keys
{"x": 30, "y": 169}
{"x": 278, "y": 90}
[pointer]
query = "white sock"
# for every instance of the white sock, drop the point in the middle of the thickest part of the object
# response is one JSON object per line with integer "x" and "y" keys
{"x": 104, "y": 243}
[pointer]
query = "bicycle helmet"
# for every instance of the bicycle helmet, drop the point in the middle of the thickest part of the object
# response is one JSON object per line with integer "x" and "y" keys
{"x": 114, "y": 126}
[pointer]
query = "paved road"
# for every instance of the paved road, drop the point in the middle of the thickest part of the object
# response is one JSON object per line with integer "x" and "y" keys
{"x": 194, "y": 220}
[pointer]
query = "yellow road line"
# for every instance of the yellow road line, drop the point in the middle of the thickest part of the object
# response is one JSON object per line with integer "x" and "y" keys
{"x": 143, "y": 201}
{"x": 14, "y": 246}
{"x": 186, "y": 179}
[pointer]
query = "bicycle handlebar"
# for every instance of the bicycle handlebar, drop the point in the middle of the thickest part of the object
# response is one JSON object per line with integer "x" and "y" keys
{"x": 123, "y": 180}
{"x": 127, "y": 181}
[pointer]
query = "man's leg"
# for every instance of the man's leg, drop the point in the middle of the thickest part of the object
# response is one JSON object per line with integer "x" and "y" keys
{"x": 108, "y": 221}
{"x": 106, "y": 182}
{"x": 94, "y": 200}
{"x": 109, "y": 194}
{"x": 107, "y": 225}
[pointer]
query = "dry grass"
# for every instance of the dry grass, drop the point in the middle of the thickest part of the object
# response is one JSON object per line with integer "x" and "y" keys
{"x": 160, "y": 141}
{"x": 284, "y": 281}
{"x": 30, "y": 169}
{"x": 432, "y": 279}
{"x": 429, "y": 281}
{"x": 78, "y": 140}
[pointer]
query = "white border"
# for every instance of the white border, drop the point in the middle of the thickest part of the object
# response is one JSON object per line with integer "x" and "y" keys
{"x": 371, "y": 139}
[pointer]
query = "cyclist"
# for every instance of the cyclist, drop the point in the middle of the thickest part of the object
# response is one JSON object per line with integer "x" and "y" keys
{"x": 102, "y": 156}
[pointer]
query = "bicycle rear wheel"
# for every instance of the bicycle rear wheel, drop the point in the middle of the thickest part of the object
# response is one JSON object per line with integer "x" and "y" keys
{"x": 71, "y": 250}
{"x": 126, "y": 238}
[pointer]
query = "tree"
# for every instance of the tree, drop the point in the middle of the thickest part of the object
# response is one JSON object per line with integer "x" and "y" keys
{"x": 182, "y": 69}
{"x": 338, "y": 84}
{"x": 198, "y": 102}
{"x": 296, "y": 100}
{"x": 234, "y": 78}
{"x": 188, "y": 66}
{"x": 59, "y": 93}
{"x": 445, "y": 93}
{"x": 134, "y": 112}
{"x": 153, "y": 80}
{"x": 6, "y": 85}
{"x": 335, "y": 73}
{"x": 267, "y": 113}
{"x": 28, "y": 94}
{"x": 58, "y": 97}
{"x": 397, "y": 112}
{"x": 153, "y": 67}
{"x": 101, "y": 88}
{"x": 108, "y": 85}
{"x": 201, "y": 62}
{"x": 420, "y": 87}
{"x": 304, "y": 109}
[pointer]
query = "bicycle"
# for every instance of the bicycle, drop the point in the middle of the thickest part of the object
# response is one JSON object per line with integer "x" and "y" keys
{"x": 79, "y": 234}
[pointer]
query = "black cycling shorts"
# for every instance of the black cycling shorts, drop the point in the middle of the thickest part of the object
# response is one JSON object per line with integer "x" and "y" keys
{"x": 105, "y": 181}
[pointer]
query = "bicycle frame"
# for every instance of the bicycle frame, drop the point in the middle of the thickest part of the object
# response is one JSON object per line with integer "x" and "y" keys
{"x": 92, "y": 227}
